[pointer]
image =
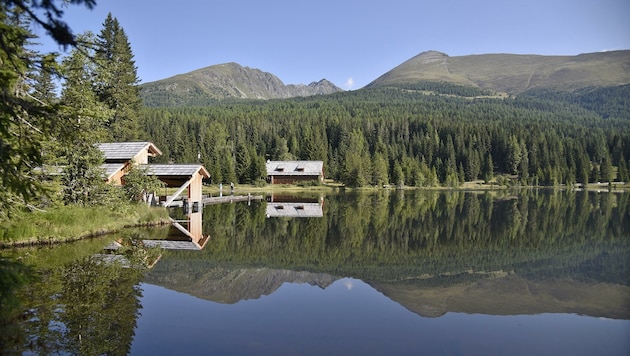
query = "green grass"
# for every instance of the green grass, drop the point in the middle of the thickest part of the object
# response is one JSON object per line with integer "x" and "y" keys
{"x": 68, "y": 223}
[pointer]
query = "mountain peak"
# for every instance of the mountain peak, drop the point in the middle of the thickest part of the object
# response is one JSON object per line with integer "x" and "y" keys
{"x": 431, "y": 56}
{"x": 226, "y": 81}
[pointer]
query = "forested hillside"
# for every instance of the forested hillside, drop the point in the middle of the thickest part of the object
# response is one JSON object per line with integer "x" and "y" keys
{"x": 426, "y": 134}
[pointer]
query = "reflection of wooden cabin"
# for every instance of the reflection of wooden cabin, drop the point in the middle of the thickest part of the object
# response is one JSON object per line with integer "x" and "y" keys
{"x": 294, "y": 207}
{"x": 189, "y": 237}
{"x": 294, "y": 210}
{"x": 289, "y": 172}
{"x": 121, "y": 156}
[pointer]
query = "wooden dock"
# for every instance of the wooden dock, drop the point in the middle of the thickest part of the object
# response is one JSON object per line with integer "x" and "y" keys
{"x": 230, "y": 199}
{"x": 220, "y": 200}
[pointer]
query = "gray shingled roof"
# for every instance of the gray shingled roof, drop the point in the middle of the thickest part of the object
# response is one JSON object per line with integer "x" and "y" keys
{"x": 175, "y": 169}
{"x": 126, "y": 150}
{"x": 295, "y": 168}
{"x": 111, "y": 168}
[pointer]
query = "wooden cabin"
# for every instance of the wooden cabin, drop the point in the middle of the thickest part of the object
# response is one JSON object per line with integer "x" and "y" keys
{"x": 289, "y": 172}
{"x": 121, "y": 156}
{"x": 183, "y": 176}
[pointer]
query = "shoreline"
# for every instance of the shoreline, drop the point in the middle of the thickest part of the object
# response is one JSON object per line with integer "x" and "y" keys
{"x": 48, "y": 233}
{"x": 69, "y": 224}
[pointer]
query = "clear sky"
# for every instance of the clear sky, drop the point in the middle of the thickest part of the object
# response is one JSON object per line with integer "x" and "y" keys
{"x": 349, "y": 42}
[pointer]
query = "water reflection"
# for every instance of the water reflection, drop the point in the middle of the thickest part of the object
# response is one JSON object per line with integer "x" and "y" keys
{"x": 186, "y": 233}
{"x": 433, "y": 253}
{"x": 75, "y": 302}
{"x": 381, "y": 273}
{"x": 288, "y": 206}
{"x": 349, "y": 317}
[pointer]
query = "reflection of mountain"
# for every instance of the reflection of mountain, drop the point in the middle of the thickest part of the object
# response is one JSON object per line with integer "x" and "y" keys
{"x": 231, "y": 286}
{"x": 566, "y": 252}
{"x": 513, "y": 295}
{"x": 498, "y": 293}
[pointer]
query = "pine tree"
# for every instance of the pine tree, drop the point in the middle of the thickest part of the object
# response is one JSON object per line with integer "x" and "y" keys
{"x": 83, "y": 117}
{"x": 622, "y": 175}
{"x": 117, "y": 80}
{"x": 24, "y": 121}
{"x": 487, "y": 170}
{"x": 379, "y": 168}
{"x": 44, "y": 87}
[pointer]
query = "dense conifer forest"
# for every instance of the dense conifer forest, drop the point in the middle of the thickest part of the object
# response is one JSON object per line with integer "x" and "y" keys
{"x": 424, "y": 134}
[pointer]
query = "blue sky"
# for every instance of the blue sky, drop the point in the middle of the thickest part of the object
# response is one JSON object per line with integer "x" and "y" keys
{"x": 348, "y": 42}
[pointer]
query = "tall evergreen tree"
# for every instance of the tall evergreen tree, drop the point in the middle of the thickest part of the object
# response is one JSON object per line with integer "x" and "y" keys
{"x": 84, "y": 116}
{"x": 26, "y": 121}
{"x": 117, "y": 80}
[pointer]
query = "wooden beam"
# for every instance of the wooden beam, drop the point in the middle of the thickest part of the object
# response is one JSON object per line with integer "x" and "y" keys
{"x": 178, "y": 192}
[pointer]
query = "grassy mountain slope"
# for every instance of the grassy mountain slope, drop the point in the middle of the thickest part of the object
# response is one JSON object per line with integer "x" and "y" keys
{"x": 514, "y": 74}
{"x": 225, "y": 81}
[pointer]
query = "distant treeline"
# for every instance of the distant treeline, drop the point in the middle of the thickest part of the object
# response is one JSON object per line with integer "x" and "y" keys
{"x": 403, "y": 136}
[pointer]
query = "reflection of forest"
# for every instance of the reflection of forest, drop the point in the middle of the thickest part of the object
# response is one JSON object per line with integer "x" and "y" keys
{"x": 530, "y": 252}
{"x": 71, "y": 302}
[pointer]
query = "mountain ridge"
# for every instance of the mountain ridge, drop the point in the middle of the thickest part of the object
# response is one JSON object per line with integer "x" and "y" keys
{"x": 513, "y": 73}
{"x": 227, "y": 81}
{"x": 503, "y": 73}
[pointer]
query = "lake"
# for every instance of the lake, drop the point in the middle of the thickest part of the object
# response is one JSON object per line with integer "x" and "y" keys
{"x": 523, "y": 272}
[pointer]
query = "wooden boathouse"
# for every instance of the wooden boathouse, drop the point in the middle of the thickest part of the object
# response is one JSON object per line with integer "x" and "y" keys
{"x": 120, "y": 157}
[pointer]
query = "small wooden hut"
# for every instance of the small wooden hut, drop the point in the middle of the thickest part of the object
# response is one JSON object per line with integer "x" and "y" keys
{"x": 289, "y": 172}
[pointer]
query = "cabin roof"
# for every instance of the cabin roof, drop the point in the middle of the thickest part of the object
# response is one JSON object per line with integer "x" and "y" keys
{"x": 112, "y": 168}
{"x": 176, "y": 170}
{"x": 127, "y": 150}
{"x": 294, "y": 168}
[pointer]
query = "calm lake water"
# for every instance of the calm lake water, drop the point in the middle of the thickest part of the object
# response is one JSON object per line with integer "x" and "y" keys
{"x": 387, "y": 273}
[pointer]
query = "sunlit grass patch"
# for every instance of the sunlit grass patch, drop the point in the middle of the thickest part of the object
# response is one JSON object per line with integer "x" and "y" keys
{"x": 68, "y": 223}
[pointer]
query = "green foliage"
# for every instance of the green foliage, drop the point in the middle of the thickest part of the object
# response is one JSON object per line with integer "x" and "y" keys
{"x": 67, "y": 223}
{"x": 88, "y": 306}
{"x": 48, "y": 15}
{"x": 610, "y": 102}
{"x": 83, "y": 178}
{"x": 418, "y": 137}
{"x": 117, "y": 80}
{"x": 23, "y": 120}
{"x": 13, "y": 276}
{"x": 445, "y": 88}
{"x": 400, "y": 235}
{"x": 138, "y": 183}
{"x": 36, "y": 127}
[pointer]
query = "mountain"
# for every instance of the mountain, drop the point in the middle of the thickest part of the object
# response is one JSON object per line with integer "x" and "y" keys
{"x": 510, "y": 294}
{"x": 230, "y": 286}
{"x": 497, "y": 293}
{"x": 512, "y": 73}
{"x": 226, "y": 81}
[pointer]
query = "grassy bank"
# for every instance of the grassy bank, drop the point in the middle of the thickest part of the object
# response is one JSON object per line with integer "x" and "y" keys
{"x": 69, "y": 223}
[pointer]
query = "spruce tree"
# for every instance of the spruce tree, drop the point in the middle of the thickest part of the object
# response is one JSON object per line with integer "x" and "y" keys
{"x": 83, "y": 118}
{"x": 117, "y": 80}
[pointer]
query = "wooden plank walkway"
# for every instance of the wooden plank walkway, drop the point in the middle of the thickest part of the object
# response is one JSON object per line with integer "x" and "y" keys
{"x": 230, "y": 199}
{"x": 221, "y": 200}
